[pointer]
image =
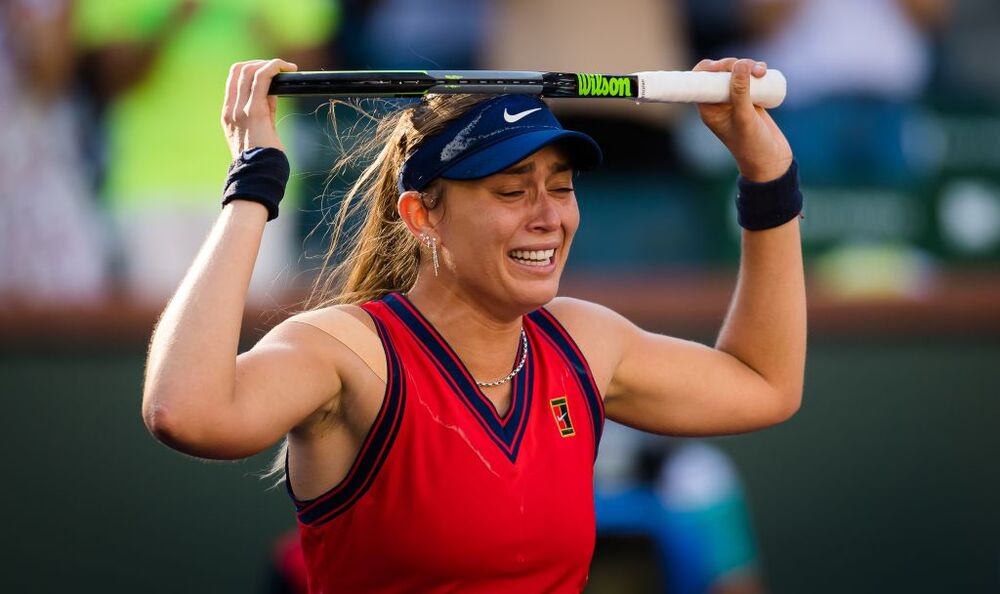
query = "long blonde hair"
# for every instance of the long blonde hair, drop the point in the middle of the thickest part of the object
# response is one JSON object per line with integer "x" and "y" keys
{"x": 382, "y": 256}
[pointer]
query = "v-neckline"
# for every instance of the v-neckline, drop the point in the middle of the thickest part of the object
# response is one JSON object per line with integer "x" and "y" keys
{"x": 506, "y": 430}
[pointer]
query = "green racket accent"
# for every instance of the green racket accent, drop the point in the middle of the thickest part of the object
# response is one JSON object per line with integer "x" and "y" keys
{"x": 600, "y": 85}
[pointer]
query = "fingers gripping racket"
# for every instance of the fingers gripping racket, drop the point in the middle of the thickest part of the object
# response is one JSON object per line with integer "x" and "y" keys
{"x": 654, "y": 86}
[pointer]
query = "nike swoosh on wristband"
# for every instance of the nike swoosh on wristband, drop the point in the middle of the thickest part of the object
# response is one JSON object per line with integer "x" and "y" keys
{"x": 510, "y": 119}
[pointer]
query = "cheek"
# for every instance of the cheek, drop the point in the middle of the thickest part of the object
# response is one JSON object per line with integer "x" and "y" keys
{"x": 571, "y": 218}
{"x": 477, "y": 241}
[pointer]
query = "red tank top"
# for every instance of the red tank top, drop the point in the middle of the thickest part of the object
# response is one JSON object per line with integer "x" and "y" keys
{"x": 445, "y": 494}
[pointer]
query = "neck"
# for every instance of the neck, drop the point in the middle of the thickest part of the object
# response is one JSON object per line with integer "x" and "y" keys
{"x": 486, "y": 342}
{"x": 451, "y": 308}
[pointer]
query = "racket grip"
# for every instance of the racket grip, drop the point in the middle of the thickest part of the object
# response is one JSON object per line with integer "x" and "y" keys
{"x": 664, "y": 86}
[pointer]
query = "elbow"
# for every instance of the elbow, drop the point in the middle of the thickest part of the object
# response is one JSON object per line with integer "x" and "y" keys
{"x": 158, "y": 414}
{"x": 159, "y": 410}
{"x": 197, "y": 433}
{"x": 788, "y": 403}
{"x": 175, "y": 415}
{"x": 171, "y": 426}
{"x": 163, "y": 423}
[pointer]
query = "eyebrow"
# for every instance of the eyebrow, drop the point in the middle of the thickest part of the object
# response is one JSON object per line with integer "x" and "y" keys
{"x": 557, "y": 167}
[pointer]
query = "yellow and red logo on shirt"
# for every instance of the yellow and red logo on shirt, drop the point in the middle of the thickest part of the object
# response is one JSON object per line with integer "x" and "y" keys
{"x": 560, "y": 411}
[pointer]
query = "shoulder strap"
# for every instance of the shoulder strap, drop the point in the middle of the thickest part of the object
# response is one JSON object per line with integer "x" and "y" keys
{"x": 557, "y": 336}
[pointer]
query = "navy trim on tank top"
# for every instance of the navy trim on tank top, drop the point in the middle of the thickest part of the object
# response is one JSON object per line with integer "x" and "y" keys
{"x": 374, "y": 449}
{"x": 506, "y": 432}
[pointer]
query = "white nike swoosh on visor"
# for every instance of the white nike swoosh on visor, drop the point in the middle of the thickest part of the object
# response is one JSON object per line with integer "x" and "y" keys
{"x": 510, "y": 119}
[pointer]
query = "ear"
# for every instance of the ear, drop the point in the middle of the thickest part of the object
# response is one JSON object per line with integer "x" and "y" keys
{"x": 413, "y": 213}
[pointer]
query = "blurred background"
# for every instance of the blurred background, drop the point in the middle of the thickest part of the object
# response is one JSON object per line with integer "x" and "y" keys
{"x": 111, "y": 166}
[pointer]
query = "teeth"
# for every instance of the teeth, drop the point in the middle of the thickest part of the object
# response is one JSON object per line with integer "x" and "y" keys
{"x": 533, "y": 257}
{"x": 532, "y": 262}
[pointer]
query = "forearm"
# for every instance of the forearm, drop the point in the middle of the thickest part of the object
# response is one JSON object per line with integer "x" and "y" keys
{"x": 766, "y": 324}
{"x": 191, "y": 367}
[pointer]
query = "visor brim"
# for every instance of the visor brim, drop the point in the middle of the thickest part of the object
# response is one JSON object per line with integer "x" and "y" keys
{"x": 583, "y": 152}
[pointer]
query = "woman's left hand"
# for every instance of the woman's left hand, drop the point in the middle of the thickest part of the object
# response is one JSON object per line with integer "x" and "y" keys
{"x": 762, "y": 152}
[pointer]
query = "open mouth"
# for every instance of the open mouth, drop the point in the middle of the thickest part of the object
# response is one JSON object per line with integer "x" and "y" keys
{"x": 532, "y": 257}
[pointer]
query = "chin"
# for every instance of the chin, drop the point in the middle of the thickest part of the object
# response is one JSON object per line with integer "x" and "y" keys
{"x": 534, "y": 294}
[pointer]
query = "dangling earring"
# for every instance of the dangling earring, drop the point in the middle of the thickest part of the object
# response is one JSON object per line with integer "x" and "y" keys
{"x": 431, "y": 242}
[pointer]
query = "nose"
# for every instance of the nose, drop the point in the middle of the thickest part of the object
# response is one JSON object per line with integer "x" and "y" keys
{"x": 545, "y": 215}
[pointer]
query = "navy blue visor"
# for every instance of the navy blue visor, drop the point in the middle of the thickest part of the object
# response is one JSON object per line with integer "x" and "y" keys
{"x": 491, "y": 137}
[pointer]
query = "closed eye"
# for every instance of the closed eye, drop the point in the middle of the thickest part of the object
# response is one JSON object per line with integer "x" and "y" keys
{"x": 517, "y": 193}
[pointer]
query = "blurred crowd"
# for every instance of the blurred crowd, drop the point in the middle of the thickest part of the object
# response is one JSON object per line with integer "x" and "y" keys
{"x": 112, "y": 159}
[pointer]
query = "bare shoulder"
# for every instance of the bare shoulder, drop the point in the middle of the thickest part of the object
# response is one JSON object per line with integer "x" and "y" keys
{"x": 339, "y": 321}
{"x": 348, "y": 325}
{"x": 599, "y": 331}
{"x": 571, "y": 311}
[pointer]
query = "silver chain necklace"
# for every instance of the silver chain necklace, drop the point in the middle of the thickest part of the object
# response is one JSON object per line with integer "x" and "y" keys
{"x": 509, "y": 376}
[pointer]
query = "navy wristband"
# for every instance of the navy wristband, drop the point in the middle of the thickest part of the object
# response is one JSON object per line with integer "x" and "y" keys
{"x": 259, "y": 175}
{"x": 765, "y": 205}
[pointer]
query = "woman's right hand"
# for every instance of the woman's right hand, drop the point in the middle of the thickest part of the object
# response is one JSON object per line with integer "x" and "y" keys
{"x": 248, "y": 111}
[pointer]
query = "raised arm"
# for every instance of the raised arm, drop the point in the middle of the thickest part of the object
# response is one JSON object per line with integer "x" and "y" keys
{"x": 753, "y": 377}
{"x": 198, "y": 396}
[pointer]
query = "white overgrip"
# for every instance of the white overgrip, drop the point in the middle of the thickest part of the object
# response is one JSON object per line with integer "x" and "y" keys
{"x": 664, "y": 86}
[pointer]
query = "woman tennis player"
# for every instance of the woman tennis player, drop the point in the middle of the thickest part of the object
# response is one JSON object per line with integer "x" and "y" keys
{"x": 443, "y": 407}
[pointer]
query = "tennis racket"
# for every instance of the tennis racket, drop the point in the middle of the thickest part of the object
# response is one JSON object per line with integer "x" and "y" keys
{"x": 654, "y": 86}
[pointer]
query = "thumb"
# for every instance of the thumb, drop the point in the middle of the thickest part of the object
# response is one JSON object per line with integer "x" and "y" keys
{"x": 739, "y": 91}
